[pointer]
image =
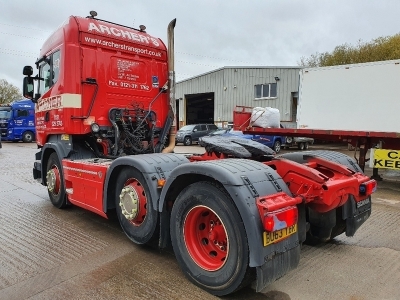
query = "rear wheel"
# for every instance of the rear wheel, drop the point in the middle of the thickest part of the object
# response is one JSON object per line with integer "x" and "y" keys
{"x": 135, "y": 213}
{"x": 306, "y": 146}
{"x": 301, "y": 146}
{"x": 55, "y": 182}
{"x": 209, "y": 239}
{"x": 28, "y": 137}
{"x": 187, "y": 141}
{"x": 277, "y": 146}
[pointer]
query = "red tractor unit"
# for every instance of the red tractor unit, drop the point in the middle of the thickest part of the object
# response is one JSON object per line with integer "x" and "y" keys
{"x": 105, "y": 124}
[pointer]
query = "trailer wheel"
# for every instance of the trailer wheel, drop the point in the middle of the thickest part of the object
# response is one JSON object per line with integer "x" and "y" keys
{"x": 135, "y": 212}
{"x": 209, "y": 239}
{"x": 187, "y": 141}
{"x": 28, "y": 137}
{"x": 306, "y": 146}
{"x": 55, "y": 182}
{"x": 301, "y": 146}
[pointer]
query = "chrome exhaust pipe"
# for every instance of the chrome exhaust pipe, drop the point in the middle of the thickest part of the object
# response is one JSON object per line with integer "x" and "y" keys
{"x": 171, "y": 84}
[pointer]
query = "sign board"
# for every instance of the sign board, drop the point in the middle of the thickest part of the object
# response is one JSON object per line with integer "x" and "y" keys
{"x": 386, "y": 159}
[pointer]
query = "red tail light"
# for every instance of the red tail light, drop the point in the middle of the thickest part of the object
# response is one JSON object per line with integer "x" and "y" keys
{"x": 280, "y": 219}
{"x": 367, "y": 188}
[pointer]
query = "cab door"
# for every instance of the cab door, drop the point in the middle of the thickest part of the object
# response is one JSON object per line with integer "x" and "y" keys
{"x": 20, "y": 122}
{"x": 198, "y": 132}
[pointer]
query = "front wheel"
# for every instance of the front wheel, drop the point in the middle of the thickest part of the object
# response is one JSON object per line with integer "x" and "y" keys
{"x": 28, "y": 137}
{"x": 209, "y": 239}
{"x": 187, "y": 141}
{"x": 135, "y": 212}
{"x": 55, "y": 182}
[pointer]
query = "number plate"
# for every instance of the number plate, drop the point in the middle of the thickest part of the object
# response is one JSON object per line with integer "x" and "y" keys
{"x": 276, "y": 236}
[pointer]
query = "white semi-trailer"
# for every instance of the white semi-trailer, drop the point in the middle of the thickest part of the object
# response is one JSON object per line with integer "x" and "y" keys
{"x": 357, "y": 97}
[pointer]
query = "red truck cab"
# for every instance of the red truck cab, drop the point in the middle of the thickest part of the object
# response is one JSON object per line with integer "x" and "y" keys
{"x": 88, "y": 66}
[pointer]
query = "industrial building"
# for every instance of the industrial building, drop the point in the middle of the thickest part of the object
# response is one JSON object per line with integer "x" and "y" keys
{"x": 212, "y": 97}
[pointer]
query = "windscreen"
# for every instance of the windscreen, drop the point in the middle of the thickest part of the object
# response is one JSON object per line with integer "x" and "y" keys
{"x": 5, "y": 113}
{"x": 187, "y": 128}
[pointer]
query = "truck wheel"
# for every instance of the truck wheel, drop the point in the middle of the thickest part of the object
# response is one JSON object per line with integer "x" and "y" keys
{"x": 187, "y": 141}
{"x": 306, "y": 146}
{"x": 301, "y": 146}
{"x": 28, "y": 137}
{"x": 135, "y": 212}
{"x": 277, "y": 146}
{"x": 55, "y": 182}
{"x": 209, "y": 239}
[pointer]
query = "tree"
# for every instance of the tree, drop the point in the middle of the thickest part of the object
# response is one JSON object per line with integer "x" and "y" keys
{"x": 379, "y": 49}
{"x": 9, "y": 92}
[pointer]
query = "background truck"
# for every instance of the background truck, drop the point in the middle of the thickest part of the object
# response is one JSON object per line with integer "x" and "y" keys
{"x": 17, "y": 121}
{"x": 105, "y": 132}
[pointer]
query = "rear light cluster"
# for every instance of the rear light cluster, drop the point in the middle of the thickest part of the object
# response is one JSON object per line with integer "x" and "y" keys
{"x": 280, "y": 219}
{"x": 367, "y": 188}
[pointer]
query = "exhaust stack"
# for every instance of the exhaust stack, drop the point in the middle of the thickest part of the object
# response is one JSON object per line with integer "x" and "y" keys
{"x": 171, "y": 84}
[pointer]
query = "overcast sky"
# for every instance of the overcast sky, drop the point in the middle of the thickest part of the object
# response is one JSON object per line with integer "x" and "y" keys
{"x": 208, "y": 34}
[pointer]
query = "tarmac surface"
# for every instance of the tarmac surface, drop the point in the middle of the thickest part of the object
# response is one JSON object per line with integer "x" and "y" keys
{"x": 47, "y": 253}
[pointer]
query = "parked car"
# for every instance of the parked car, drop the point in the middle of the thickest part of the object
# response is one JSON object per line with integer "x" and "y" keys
{"x": 274, "y": 142}
{"x": 191, "y": 133}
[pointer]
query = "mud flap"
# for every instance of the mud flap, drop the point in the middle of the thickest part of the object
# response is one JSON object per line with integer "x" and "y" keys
{"x": 279, "y": 265}
{"x": 356, "y": 213}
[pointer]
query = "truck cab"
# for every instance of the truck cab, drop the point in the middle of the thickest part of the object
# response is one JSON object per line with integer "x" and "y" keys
{"x": 17, "y": 121}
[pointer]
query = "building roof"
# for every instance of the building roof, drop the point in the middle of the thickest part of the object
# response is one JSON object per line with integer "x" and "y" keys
{"x": 242, "y": 67}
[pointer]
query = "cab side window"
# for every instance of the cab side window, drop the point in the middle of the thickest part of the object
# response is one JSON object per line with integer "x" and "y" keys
{"x": 49, "y": 71}
{"x": 22, "y": 113}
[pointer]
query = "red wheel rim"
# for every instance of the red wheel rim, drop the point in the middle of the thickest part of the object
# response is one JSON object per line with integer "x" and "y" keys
{"x": 142, "y": 209}
{"x": 206, "y": 238}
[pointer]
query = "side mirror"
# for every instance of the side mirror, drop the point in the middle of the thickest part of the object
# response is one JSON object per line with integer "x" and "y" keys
{"x": 27, "y": 71}
{"x": 28, "y": 87}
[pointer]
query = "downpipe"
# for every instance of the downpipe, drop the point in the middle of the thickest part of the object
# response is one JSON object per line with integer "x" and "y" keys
{"x": 171, "y": 83}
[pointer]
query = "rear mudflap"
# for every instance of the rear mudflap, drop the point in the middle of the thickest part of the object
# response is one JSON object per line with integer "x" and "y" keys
{"x": 355, "y": 214}
{"x": 283, "y": 257}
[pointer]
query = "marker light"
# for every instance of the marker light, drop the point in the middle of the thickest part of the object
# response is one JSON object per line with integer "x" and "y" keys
{"x": 95, "y": 127}
{"x": 369, "y": 187}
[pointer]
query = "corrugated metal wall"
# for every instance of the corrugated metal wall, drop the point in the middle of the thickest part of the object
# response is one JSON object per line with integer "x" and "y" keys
{"x": 235, "y": 86}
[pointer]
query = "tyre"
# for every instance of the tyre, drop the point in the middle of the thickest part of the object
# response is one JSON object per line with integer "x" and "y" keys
{"x": 134, "y": 209}
{"x": 187, "y": 141}
{"x": 306, "y": 146}
{"x": 301, "y": 146}
{"x": 277, "y": 146}
{"x": 55, "y": 182}
{"x": 28, "y": 137}
{"x": 209, "y": 239}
